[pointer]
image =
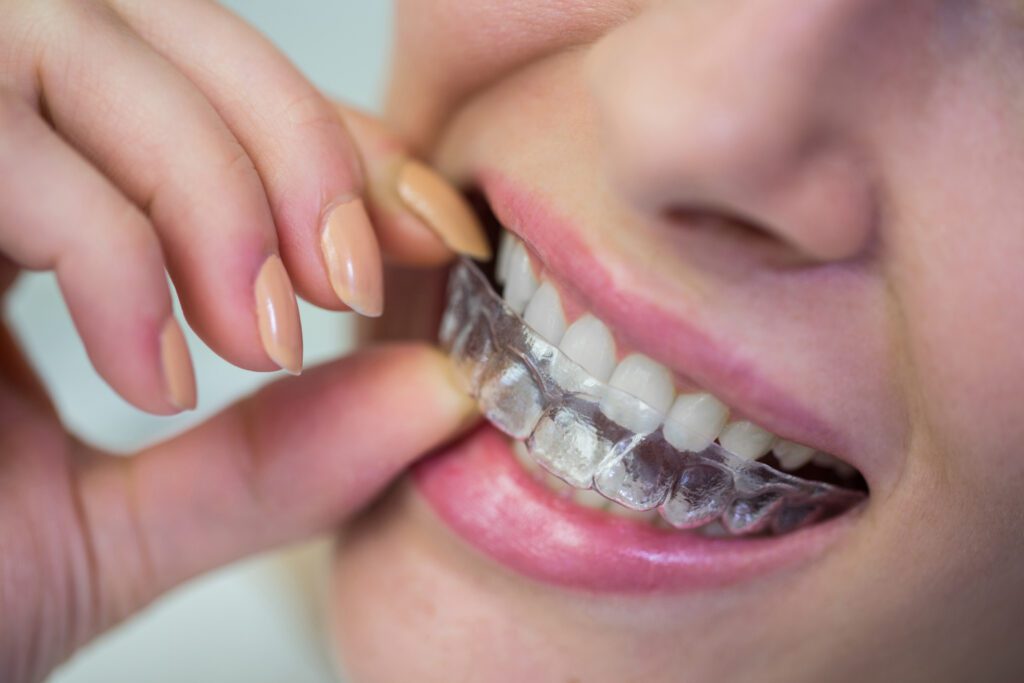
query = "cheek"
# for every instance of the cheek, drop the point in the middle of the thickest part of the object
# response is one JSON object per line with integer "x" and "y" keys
{"x": 958, "y": 279}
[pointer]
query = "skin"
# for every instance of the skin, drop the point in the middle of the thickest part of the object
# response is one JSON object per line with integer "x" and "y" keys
{"x": 873, "y": 151}
{"x": 872, "y": 148}
{"x": 125, "y": 150}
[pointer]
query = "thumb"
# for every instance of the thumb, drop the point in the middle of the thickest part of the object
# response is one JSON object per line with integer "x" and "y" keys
{"x": 296, "y": 458}
{"x": 420, "y": 219}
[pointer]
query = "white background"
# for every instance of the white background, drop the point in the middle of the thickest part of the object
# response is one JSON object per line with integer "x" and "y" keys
{"x": 258, "y": 620}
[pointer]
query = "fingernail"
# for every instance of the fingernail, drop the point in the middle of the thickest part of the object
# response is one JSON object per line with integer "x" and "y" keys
{"x": 278, "y": 315}
{"x": 353, "y": 259}
{"x": 440, "y": 206}
{"x": 177, "y": 365}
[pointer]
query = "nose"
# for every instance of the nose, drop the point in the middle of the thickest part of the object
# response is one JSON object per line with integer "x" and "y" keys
{"x": 737, "y": 108}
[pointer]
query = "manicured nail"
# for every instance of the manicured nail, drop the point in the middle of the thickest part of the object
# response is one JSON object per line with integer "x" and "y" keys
{"x": 440, "y": 206}
{"x": 278, "y": 314}
{"x": 353, "y": 259}
{"x": 177, "y": 365}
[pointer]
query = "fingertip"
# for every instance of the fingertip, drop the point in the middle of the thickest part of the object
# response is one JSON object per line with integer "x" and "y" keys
{"x": 442, "y": 209}
{"x": 179, "y": 375}
{"x": 278, "y": 315}
{"x": 352, "y": 257}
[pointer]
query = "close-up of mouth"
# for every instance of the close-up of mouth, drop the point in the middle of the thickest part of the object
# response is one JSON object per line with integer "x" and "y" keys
{"x": 574, "y": 342}
{"x": 602, "y": 468}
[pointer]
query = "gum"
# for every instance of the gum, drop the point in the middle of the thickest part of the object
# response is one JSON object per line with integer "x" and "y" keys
{"x": 532, "y": 392}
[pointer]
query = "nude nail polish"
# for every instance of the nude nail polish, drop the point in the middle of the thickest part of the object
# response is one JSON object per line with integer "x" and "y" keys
{"x": 440, "y": 206}
{"x": 179, "y": 376}
{"x": 278, "y": 316}
{"x": 352, "y": 256}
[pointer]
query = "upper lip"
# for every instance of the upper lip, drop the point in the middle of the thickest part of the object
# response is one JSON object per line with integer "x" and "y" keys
{"x": 710, "y": 362}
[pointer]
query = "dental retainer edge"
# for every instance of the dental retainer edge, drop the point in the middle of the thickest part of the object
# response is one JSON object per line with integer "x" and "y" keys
{"x": 528, "y": 389}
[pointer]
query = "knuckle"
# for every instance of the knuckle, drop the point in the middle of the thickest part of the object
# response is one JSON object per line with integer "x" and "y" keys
{"x": 308, "y": 111}
{"x": 131, "y": 233}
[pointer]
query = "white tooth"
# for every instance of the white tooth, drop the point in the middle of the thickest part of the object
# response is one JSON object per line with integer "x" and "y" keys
{"x": 648, "y": 381}
{"x": 694, "y": 421}
{"x": 792, "y": 455}
{"x": 544, "y": 313}
{"x": 589, "y": 342}
{"x": 508, "y": 242}
{"x": 746, "y": 439}
{"x": 521, "y": 283}
{"x": 589, "y": 498}
{"x": 558, "y": 486}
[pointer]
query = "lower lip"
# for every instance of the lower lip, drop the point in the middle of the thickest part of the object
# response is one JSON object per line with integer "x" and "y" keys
{"x": 484, "y": 495}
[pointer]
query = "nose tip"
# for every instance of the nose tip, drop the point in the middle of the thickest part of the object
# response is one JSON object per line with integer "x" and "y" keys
{"x": 730, "y": 110}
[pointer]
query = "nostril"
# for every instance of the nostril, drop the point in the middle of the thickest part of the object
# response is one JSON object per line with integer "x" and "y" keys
{"x": 724, "y": 237}
{"x": 711, "y": 218}
{"x": 825, "y": 210}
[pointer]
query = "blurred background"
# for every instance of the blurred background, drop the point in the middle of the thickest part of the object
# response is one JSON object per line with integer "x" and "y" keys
{"x": 257, "y": 620}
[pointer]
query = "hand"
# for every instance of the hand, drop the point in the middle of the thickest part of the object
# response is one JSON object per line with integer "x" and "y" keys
{"x": 139, "y": 137}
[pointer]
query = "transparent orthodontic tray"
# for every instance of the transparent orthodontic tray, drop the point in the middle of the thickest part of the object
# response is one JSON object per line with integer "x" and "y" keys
{"x": 531, "y": 391}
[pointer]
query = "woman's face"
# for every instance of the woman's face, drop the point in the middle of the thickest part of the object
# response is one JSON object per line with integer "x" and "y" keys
{"x": 811, "y": 210}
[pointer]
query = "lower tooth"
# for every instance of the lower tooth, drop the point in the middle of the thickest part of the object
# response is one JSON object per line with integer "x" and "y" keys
{"x": 589, "y": 498}
{"x": 558, "y": 486}
{"x": 524, "y": 457}
{"x": 617, "y": 510}
{"x": 714, "y": 530}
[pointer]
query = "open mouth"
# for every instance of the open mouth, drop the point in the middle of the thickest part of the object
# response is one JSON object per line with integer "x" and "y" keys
{"x": 602, "y": 429}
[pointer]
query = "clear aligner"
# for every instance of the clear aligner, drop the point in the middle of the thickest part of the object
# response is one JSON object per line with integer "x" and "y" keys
{"x": 531, "y": 391}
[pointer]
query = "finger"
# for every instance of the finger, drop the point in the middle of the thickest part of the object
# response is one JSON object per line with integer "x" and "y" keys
{"x": 421, "y": 218}
{"x": 305, "y": 159}
{"x": 57, "y": 212}
{"x": 16, "y": 373}
{"x": 151, "y": 131}
{"x": 308, "y": 160}
{"x": 297, "y": 458}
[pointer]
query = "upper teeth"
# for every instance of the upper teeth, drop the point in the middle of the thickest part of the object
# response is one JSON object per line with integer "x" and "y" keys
{"x": 544, "y": 313}
{"x": 589, "y": 342}
{"x": 521, "y": 283}
{"x": 647, "y": 380}
{"x": 692, "y": 421}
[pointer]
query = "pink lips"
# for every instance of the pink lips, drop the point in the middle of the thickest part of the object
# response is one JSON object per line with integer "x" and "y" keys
{"x": 482, "y": 493}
